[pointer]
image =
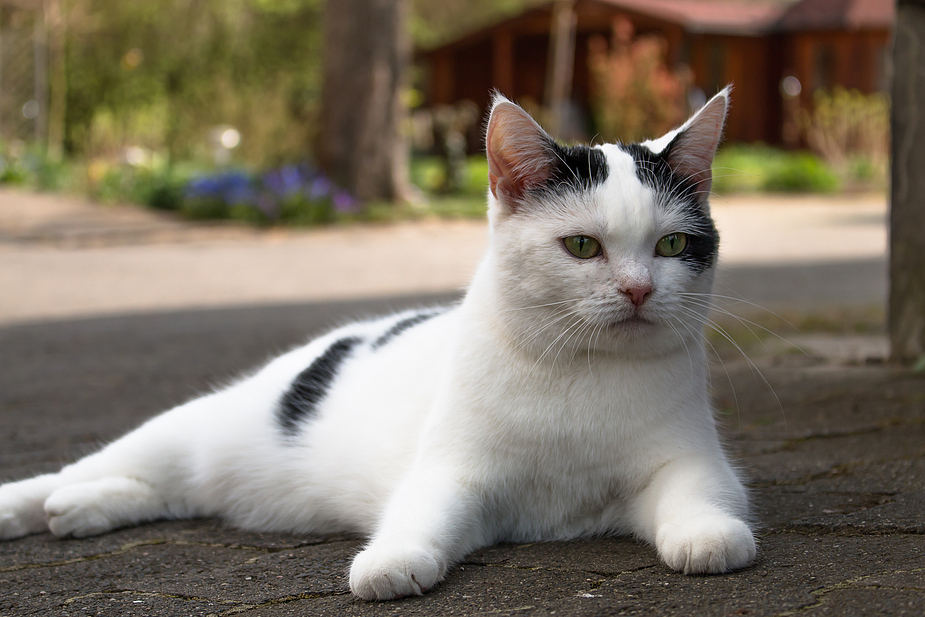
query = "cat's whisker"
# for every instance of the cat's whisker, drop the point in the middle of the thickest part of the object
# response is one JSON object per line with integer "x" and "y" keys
{"x": 735, "y": 395}
{"x": 576, "y": 322}
{"x": 555, "y": 319}
{"x": 700, "y": 303}
{"x": 558, "y": 316}
{"x": 683, "y": 342}
{"x": 592, "y": 342}
{"x": 741, "y": 301}
{"x": 746, "y": 322}
{"x": 577, "y": 336}
{"x": 535, "y": 306}
{"x": 722, "y": 332}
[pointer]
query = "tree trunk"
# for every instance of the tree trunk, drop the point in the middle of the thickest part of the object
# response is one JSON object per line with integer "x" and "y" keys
{"x": 907, "y": 212}
{"x": 366, "y": 55}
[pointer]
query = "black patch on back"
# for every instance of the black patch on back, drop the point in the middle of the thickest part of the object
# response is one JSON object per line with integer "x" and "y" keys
{"x": 653, "y": 171}
{"x": 401, "y": 326}
{"x": 310, "y": 387}
{"x": 575, "y": 168}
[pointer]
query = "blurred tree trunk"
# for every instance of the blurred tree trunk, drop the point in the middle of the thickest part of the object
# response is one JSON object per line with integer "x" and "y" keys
{"x": 907, "y": 211}
{"x": 57, "y": 77}
{"x": 366, "y": 57}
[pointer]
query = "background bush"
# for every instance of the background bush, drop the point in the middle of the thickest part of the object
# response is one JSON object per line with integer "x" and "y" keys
{"x": 754, "y": 168}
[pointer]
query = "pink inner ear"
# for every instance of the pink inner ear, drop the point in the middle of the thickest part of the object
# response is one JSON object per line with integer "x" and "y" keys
{"x": 518, "y": 153}
{"x": 692, "y": 151}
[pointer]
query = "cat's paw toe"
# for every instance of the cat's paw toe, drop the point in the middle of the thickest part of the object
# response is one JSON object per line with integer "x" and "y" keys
{"x": 15, "y": 524}
{"x": 20, "y": 511}
{"x": 75, "y": 512}
{"x": 708, "y": 544}
{"x": 386, "y": 573}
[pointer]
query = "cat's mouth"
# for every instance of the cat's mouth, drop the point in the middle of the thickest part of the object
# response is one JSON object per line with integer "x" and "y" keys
{"x": 633, "y": 321}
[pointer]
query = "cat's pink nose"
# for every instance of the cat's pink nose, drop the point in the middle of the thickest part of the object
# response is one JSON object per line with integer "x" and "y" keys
{"x": 638, "y": 294}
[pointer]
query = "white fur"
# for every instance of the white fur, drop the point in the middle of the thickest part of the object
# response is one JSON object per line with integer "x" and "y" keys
{"x": 525, "y": 413}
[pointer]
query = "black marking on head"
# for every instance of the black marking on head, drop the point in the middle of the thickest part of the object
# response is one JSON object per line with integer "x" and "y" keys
{"x": 653, "y": 171}
{"x": 401, "y": 326}
{"x": 310, "y": 387}
{"x": 575, "y": 168}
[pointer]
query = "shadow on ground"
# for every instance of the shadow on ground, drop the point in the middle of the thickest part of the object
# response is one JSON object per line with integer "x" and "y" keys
{"x": 835, "y": 455}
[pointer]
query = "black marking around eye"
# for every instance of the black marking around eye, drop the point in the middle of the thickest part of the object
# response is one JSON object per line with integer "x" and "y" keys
{"x": 653, "y": 171}
{"x": 310, "y": 387}
{"x": 401, "y": 326}
{"x": 575, "y": 168}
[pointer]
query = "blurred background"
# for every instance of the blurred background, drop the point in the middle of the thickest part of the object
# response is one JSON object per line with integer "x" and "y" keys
{"x": 302, "y": 112}
{"x": 274, "y": 116}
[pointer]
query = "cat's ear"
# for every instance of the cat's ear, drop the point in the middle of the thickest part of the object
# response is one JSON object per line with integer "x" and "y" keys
{"x": 520, "y": 153}
{"x": 690, "y": 153}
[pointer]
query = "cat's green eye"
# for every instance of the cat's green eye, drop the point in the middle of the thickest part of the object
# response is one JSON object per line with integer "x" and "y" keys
{"x": 582, "y": 247}
{"x": 671, "y": 245}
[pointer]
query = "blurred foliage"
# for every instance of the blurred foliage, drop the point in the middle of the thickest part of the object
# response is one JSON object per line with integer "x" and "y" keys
{"x": 851, "y": 131}
{"x": 436, "y": 21}
{"x": 755, "y": 168}
{"x": 160, "y": 73}
{"x": 282, "y": 194}
{"x": 635, "y": 94}
{"x": 428, "y": 173}
{"x": 24, "y": 165}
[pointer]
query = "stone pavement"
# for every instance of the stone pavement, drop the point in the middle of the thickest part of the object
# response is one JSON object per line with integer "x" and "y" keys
{"x": 832, "y": 441}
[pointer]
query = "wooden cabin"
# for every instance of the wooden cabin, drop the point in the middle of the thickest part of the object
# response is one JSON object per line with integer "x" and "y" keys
{"x": 752, "y": 44}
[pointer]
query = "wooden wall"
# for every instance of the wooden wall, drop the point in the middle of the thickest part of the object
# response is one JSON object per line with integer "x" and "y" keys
{"x": 513, "y": 58}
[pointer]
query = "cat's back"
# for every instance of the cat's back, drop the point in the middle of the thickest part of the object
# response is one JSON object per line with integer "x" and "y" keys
{"x": 343, "y": 416}
{"x": 378, "y": 391}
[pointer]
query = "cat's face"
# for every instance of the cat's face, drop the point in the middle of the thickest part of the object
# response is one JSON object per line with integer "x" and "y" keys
{"x": 604, "y": 249}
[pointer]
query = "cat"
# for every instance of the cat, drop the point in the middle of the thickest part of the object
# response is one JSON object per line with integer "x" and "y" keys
{"x": 565, "y": 396}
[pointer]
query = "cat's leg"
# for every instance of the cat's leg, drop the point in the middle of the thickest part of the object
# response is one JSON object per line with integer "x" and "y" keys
{"x": 87, "y": 498}
{"x": 430, "y": 523}
{"x": 143, "y": 476}
{"x": 693, "y": 512}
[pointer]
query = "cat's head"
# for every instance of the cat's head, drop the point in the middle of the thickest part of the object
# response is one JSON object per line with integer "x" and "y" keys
{"x": 606, "y": 248}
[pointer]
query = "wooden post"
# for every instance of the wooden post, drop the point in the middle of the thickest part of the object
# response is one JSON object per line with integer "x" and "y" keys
{"x": 561, "y": 63}
{"x": 55, "y": 29}
{"x": 907, "y": 199}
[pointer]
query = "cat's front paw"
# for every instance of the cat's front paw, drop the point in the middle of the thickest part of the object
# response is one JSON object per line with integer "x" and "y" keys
{"x": 21, "y": 511}
{"x": 706, "y": 544}
{"x": 389, "y": 572}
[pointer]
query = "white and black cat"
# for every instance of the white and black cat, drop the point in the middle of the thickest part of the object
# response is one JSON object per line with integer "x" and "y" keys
{"x": 565, "y": 396}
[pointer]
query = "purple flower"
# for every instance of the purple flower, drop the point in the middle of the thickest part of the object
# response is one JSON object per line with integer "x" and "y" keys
{"x": 268, "y": 205}
{"x": 320, "y": 188}
{"x": 285, "y": 181}
{"x": 344, "y": 201}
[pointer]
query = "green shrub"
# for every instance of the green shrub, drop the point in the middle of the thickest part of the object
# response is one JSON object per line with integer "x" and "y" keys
{"x": 428, "y": 173}
{"x": 752, "y": 168}
{"x": 32, "y": 166}
{"x": 801, "y": 172}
